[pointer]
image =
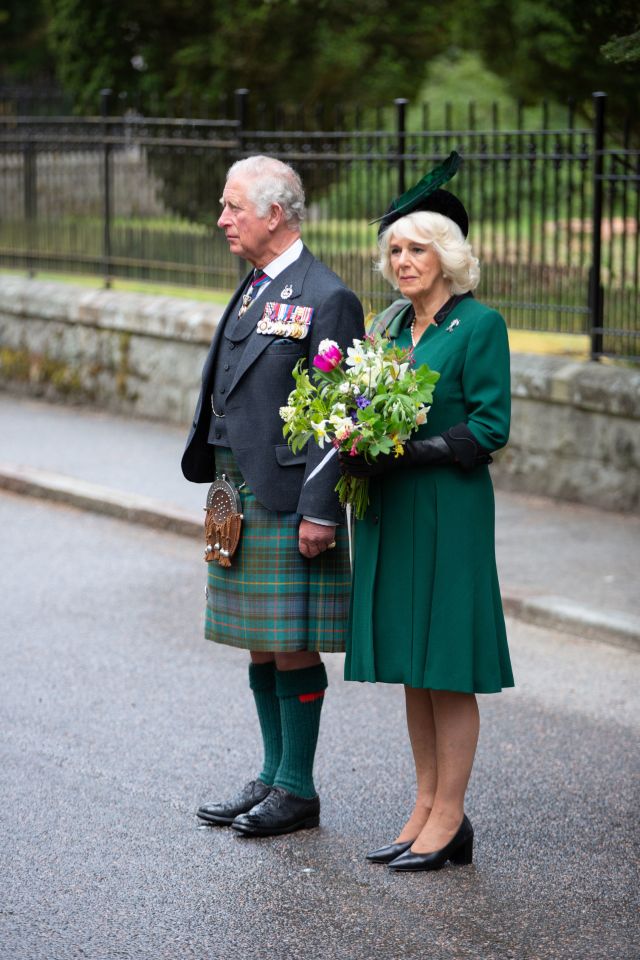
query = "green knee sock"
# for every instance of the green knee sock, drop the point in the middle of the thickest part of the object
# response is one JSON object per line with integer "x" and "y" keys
{"x": 301, "y": 694}
{"x": 263, "y": 684}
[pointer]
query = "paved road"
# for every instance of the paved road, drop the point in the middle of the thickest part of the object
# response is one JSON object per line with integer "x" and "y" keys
{"x": 570, "y": 561}
{"x": 118, "y": 719}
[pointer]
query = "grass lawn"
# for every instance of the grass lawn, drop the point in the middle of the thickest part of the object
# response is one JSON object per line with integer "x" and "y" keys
{"x": 133, "y": 286}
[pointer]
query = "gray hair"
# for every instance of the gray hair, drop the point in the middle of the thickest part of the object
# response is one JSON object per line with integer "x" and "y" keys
{"x": 271, "y": 181}
{"x": 459, "y": 266}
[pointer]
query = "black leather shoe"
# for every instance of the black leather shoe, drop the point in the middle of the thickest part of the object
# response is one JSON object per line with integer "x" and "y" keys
{"x": 223, "y": 814}
{"x": 459, "y": 850}
{"x": 280, "y": 812}
{"x": 388, "y": 853}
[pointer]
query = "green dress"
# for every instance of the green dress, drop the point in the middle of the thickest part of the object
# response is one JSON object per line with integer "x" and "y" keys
{"x": 426, "y": 608}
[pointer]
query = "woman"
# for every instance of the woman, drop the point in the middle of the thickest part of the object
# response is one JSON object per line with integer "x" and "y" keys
{"x": 426, "y": 608}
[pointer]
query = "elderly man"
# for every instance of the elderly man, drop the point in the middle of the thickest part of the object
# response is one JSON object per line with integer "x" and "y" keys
{"x": 285, "y": 597}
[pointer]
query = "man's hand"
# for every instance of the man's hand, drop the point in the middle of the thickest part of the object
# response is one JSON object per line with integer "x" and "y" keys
{"x": 315, "y": 538}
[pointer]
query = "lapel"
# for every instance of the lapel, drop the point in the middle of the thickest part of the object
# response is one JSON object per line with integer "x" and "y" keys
{"x": 293, "y": 276}
{"x": 230, "y": 310}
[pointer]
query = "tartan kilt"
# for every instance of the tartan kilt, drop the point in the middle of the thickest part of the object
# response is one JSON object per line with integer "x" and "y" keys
{"x": 272, "y": 598}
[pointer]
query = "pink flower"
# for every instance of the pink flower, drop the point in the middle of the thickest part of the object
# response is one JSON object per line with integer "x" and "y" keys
{"x": 329, "y": 357}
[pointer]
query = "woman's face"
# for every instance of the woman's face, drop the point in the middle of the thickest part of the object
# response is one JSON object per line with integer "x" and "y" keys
{"x": 416, "y": 268}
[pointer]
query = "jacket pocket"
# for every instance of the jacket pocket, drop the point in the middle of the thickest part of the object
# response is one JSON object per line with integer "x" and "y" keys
{"x": 286, "y": 457}
{"x": 285, "y": 348}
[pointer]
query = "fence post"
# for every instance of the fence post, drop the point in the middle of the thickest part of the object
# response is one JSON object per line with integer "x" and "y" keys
{"x": 241, "y": 100}
{"x": 106, "y": 196}
{"x": 401, "y": 143}
{"x": 30, "y": 199}
{"x": 596, "y": 296}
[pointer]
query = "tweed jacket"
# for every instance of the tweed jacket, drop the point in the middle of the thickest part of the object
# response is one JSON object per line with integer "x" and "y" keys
{"x": 262, "y": 384}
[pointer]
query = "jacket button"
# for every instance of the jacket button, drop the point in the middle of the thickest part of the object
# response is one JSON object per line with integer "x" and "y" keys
{"x": 223, "y": 389}
{"x": 218, "y": 434}
{"x": 226, "y": 366}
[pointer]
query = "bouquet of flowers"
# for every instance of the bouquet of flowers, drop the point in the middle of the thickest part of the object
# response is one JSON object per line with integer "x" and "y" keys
{"x": 369, "y": 403}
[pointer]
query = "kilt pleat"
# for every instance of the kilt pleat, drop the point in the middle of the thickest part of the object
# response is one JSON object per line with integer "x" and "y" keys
{"x": 272, "y": 598}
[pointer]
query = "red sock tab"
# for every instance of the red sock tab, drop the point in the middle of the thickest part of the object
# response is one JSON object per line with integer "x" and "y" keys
{"x": 310, "y": 697}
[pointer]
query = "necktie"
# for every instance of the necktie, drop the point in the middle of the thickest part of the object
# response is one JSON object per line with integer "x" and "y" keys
{"x": 258, "y": 280}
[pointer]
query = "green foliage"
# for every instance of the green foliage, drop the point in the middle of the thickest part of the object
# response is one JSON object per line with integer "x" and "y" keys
{"x": 313, "y": 50}
{"x": 553, "y": 48}
{"x": 369, "y": 402}
{"x": 622, "y": 49}
{"x": 24, "y": 55}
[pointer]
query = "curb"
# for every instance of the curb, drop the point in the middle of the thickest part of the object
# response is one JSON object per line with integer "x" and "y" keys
{"x": 557, "y": 613}
{"x": 552, "y": 612}
{"x": 132, "y": 507}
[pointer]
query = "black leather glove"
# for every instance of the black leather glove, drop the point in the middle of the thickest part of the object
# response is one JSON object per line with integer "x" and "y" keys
{"x": 456, "y": 445}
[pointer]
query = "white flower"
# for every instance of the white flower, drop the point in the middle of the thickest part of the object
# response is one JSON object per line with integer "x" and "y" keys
{"x": 345, "y": 387}
{"x": 344, "y": 428}
{"x": 287, "y": 413}
{"x": 356, "y": 356}
{"x": 326, "y": 345}
{"x": 320, "y": 432}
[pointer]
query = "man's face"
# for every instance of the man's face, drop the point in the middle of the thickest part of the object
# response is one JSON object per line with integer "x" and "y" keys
{"x": 247, "y": 234}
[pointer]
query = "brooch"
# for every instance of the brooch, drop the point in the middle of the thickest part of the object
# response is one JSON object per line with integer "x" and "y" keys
{"x": 452, "y": 326}
{"x": 286, "y": 292}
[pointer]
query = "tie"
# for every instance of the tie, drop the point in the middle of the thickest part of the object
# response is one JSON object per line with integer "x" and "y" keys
{"x": 258, "y": 280}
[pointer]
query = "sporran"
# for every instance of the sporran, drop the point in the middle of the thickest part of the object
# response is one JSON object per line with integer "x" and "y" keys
{"x": 222, "y": 522}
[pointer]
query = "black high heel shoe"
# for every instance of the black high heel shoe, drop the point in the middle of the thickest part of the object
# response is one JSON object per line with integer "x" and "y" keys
{"x": 388, "y": 853}
{"x": 459, "y": 850}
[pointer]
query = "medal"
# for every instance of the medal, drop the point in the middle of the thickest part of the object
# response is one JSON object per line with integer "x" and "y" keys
{"x": 286, "y": 292}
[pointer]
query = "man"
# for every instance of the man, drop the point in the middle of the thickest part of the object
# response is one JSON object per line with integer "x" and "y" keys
{"x": 285, "y": 597}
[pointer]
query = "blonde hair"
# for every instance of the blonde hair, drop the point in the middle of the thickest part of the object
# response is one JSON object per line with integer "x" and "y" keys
{"x": 459, "y": 266}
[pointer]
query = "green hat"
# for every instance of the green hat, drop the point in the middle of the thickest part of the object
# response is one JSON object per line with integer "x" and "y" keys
{"x": 427, "y": 195}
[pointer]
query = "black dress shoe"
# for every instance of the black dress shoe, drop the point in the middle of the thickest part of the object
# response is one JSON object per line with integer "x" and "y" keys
{"x": 459, "y": 850}
{"x": 280, "y": 812}
{"x": 388, "y": 853}
{"x": 223, "y": 814}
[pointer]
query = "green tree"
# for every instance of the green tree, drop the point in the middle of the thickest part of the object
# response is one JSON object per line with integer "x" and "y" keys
{"x": 24, "y": 53}
{"x": 302, "y": 50}
{"x": 554, "y": 48}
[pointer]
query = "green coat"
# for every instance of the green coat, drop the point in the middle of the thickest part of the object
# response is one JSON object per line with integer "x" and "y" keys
{"x": 426, "y": 608}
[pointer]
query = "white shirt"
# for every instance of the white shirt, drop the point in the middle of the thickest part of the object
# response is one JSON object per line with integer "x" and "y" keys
{"x": 284, "y": 260}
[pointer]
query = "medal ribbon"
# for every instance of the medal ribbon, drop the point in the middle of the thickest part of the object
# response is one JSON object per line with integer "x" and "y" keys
{"x": 258, "y": 280}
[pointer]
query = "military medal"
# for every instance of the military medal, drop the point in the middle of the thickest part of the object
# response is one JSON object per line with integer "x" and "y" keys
{"x": 286, "y": 292}
{"x": 285, "y": 320}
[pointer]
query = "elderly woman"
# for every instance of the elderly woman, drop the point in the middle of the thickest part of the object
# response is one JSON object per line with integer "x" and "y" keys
{"x": 426, "y": 608}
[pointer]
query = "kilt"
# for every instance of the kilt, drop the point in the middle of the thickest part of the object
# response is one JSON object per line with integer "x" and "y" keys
{"x": 272, "y": 598}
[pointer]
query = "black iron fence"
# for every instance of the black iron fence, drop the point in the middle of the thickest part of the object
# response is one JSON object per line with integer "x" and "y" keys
{"x": 555, "y": 211}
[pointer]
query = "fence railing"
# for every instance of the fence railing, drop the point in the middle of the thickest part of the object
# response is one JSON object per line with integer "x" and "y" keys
{"x": 554, "y": 211}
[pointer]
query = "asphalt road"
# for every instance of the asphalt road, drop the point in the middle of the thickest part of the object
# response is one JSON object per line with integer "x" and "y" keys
{"x": 118, "y": 720}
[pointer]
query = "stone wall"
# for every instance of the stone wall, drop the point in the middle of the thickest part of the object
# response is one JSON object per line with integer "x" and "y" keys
{"x": 575, "y": 429}
{"x": 128, "y": 352}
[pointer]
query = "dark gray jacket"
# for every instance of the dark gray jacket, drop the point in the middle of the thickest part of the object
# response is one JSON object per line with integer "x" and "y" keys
{"x": 262, "y": 385}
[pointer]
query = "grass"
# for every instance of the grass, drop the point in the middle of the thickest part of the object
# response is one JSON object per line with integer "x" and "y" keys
{"x": 132, "y": 286}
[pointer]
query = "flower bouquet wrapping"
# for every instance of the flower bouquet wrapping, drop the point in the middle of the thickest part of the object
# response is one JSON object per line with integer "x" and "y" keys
{"x": 368, "y": 402}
